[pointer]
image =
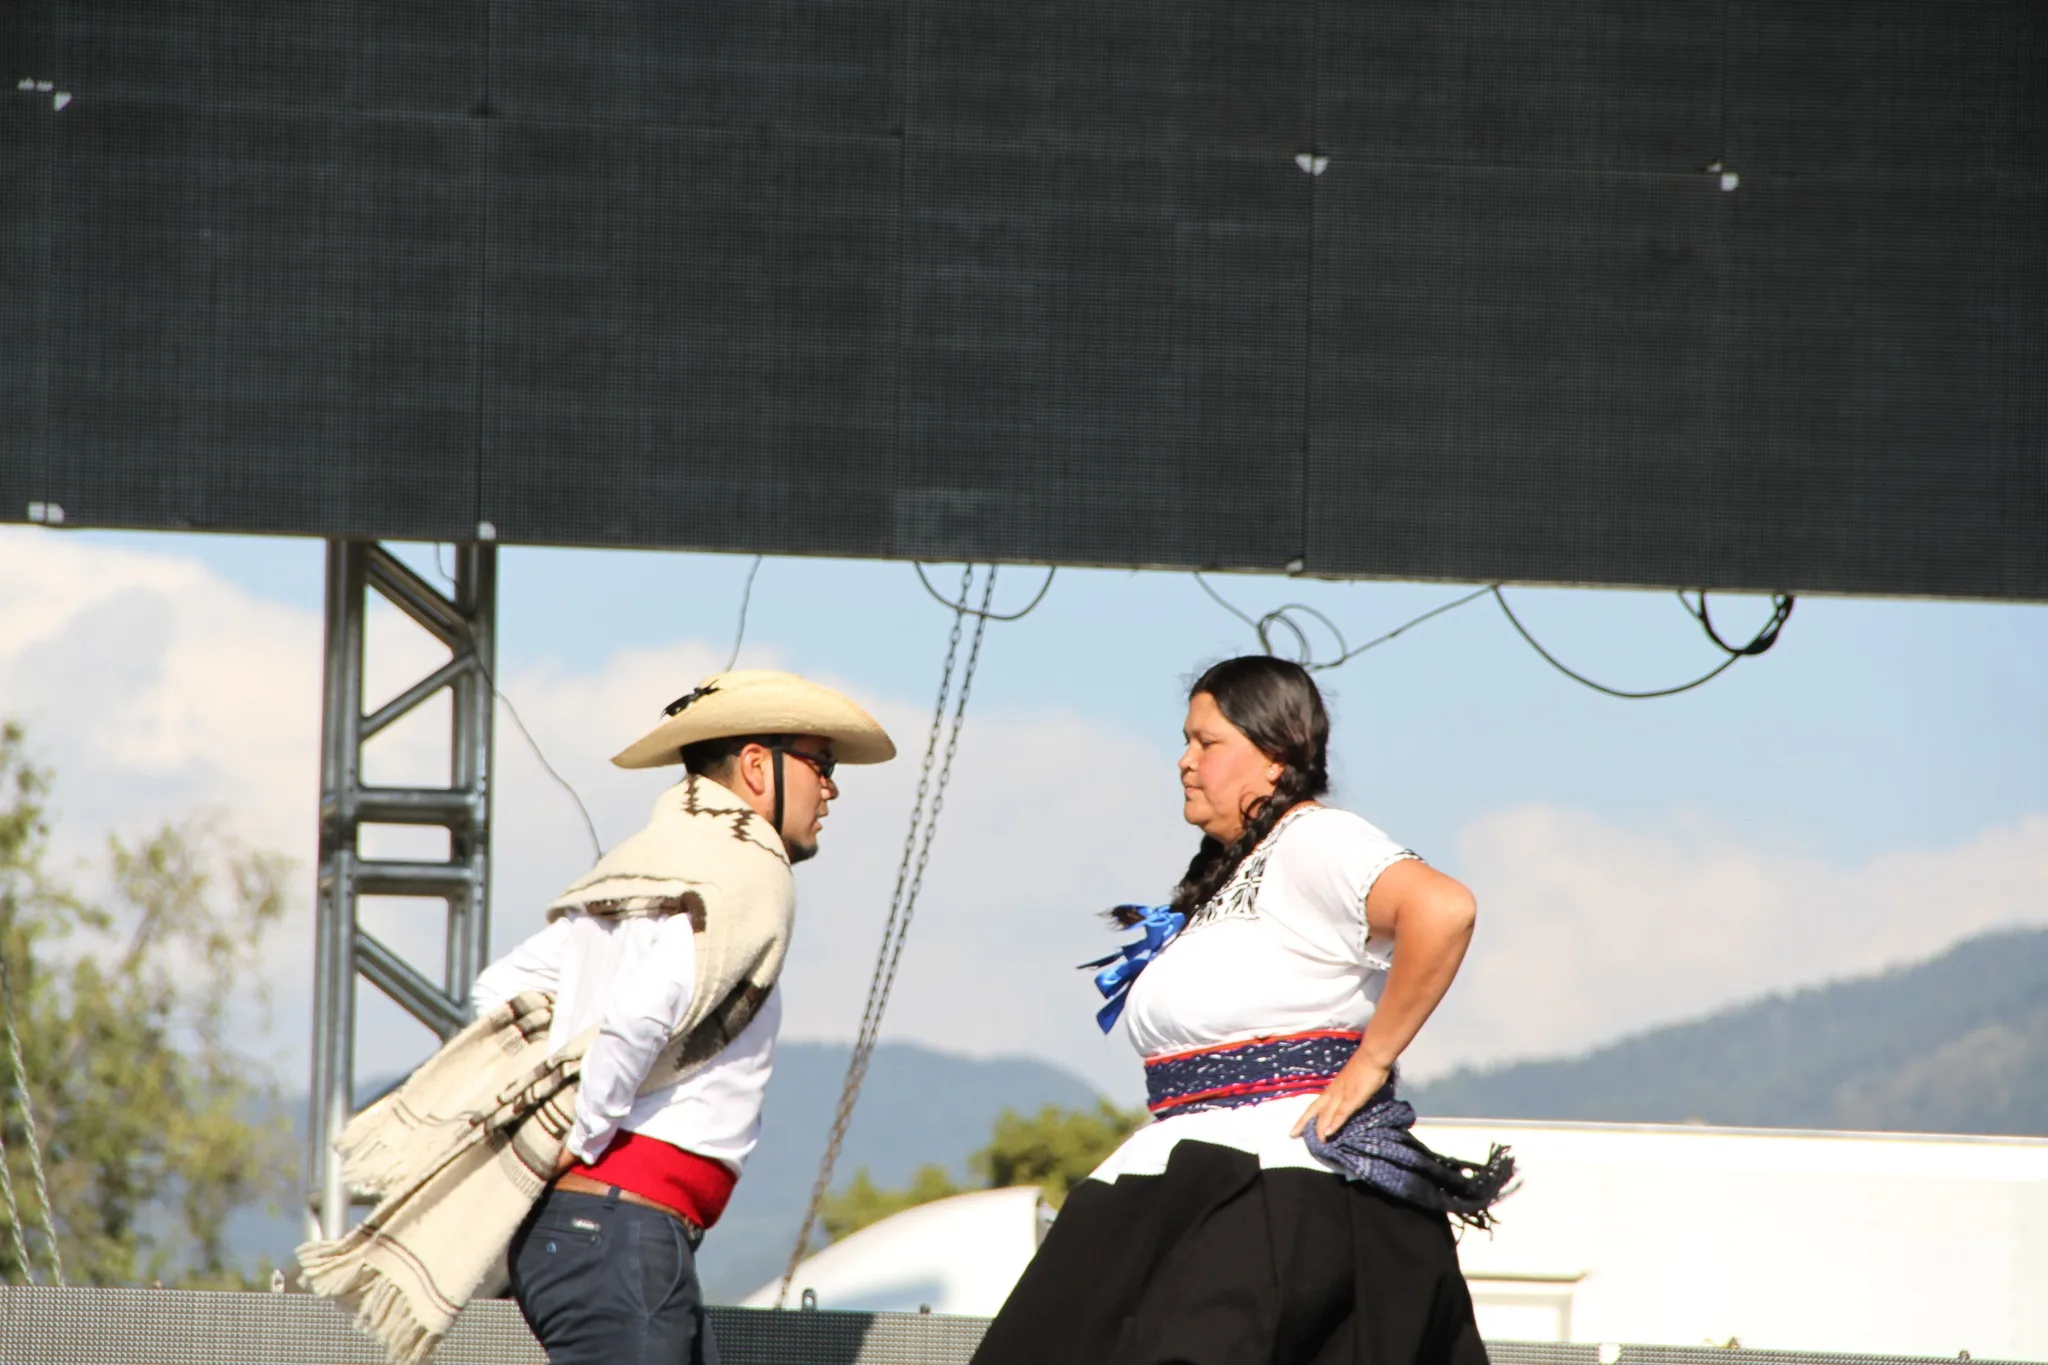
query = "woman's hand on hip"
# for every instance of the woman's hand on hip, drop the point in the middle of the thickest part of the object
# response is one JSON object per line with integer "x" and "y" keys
{"x": 1348, "y": 1091}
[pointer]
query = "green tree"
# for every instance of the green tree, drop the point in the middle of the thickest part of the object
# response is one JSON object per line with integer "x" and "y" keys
{"x": 123, "y": 1006}
{"x": 1053, "y": 1149}
{"x": 863, "y": 1202}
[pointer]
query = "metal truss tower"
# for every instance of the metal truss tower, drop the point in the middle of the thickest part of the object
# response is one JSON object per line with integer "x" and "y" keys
{"x": 466, "y": 624}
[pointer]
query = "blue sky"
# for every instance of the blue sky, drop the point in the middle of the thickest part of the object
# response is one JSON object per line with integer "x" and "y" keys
{"x": 1869, "y": 790}
{"x": 1873, "y": 723}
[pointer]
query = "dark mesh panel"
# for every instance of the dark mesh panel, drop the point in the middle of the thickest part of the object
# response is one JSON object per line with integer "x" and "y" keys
{"x": 393, "y": 56}
{"x": 1139, "y": 76}
{"x": 27, "y": 31}
{"x": 268, "y": 322}
{"x": 1517, "y": 375}
{"x": 691, "y": 339}
{"x": 1744, "y": 293}
{"x": 1885, "y": 87}
{"x": 1884, "y": 424}
{"x": 27, "y": 132}
{"x": 1102, "y": 356}
{"x": 1613, "y": 84}
{"x": 2022, "y": 521}
{"x": 826, "y": 66}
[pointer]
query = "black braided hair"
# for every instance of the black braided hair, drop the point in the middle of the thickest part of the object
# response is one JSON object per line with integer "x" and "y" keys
{"x": 1278, "y": 708}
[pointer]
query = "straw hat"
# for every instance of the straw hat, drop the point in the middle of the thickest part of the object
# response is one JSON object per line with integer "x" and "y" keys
{"x": 760, "y": 701}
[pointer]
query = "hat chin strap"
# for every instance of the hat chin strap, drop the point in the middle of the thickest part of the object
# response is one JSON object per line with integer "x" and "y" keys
{"x": 778, "y": 796}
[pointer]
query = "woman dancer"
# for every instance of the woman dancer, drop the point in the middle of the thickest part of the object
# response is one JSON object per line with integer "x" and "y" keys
{"x": 1277, "y": 1210}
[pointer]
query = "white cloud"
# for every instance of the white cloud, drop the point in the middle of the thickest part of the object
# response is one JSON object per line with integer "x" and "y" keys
{"x": 1588, "y": 930}
{"x": 155, "y": 687}
{"x": 1049, "y": 819}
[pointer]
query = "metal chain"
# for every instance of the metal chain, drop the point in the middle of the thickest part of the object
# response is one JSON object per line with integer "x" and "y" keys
{"x": 902, "y": 902}
{"x": 848, "y": 1089}
{"x": 35, "y": 1149}
{"x": 864, "y": 1049}
{"x": 924, "y": 852}
{"x": 13, "y": 1209}
{"x": 924, "y": 776}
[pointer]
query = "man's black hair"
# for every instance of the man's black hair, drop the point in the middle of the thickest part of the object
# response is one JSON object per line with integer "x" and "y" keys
{"x": 708, "y": 757}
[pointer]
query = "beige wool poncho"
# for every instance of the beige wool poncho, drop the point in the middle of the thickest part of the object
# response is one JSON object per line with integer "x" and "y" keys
{"x": 460, "y": 1152}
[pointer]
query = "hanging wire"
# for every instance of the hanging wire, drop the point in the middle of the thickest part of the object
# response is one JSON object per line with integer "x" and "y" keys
{"x": 740, "y": 634}
{"x": 917, "y": 852}
{"x": 1283, "y": 618}
{"x": 985, "y": 614}
{"x": 1289, "y": 618}
{"x": 35, "y": 1149}
{"x": 589, "y": 826}
{"x": 1781, "y": 612}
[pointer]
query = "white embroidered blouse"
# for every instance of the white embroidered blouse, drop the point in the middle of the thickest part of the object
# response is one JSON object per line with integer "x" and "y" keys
{"x": 1283, "y": 948}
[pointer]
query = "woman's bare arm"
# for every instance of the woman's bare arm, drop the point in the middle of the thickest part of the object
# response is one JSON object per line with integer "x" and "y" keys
{"x": 1429, "y": 916}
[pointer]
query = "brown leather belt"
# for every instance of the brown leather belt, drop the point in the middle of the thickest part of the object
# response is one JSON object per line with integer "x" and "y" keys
{"x": 575, "y": 1183}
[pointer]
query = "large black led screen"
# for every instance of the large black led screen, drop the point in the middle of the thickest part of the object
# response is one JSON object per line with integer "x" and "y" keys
{"x": 1713, "y": 293}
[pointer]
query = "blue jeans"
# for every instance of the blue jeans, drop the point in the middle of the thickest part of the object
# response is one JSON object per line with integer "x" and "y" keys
{"x": 599, "y": 1280}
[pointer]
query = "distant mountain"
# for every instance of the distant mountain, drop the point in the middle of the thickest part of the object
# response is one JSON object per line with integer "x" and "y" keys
{"x": 1955, "y": 1045}
{"x": 917, "y": 1105}
{"x": 1958, "y": 1044}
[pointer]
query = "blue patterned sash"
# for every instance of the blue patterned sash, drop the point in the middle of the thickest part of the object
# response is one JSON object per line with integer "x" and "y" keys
{"x": 1375, "y": 1147}
{"x": 1235, "y": 1074}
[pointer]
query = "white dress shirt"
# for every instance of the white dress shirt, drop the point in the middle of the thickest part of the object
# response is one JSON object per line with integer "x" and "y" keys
{"x": 632, "y": 979}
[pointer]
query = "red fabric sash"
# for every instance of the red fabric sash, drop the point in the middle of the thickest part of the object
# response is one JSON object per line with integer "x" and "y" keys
{"x": 695, "y": 1186}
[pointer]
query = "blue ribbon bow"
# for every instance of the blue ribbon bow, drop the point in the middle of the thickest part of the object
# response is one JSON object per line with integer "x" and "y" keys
{"x": 1121, "y": 967}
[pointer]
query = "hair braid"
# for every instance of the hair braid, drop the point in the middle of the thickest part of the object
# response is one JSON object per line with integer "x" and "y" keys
{"x": 1214, "y": 863}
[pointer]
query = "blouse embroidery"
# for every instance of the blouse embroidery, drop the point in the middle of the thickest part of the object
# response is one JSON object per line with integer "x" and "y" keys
{"x": 1240, "y": 895}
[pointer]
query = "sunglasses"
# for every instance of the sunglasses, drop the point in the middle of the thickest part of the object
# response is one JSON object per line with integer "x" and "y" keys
{"x": 821, "y": 764}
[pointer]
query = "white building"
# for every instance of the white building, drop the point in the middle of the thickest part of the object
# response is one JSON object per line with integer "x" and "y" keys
{"x": 1882, "y": 1242}
{"x": 1679, "y": 1235}
{"x": 957, "y": 1255}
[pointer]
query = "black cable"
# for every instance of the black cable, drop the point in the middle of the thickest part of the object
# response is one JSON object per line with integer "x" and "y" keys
{"x": 1781, "y": 611}
{"x": 597, "y": 848}
{"x": 1282, "y": 618}
{"x": 965, "y": 610}
{"x": 746, "y": 596}
{"x": 1223, "y": 602}
{"x": 596, "y": 845}
{"x": 1439, "y": 610}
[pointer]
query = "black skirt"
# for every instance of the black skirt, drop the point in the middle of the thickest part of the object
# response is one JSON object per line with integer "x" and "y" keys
{"x": 1217, "y": 1262}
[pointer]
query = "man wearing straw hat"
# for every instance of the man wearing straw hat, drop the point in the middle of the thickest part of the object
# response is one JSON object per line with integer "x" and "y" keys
{"x": 619, "y": 1059}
